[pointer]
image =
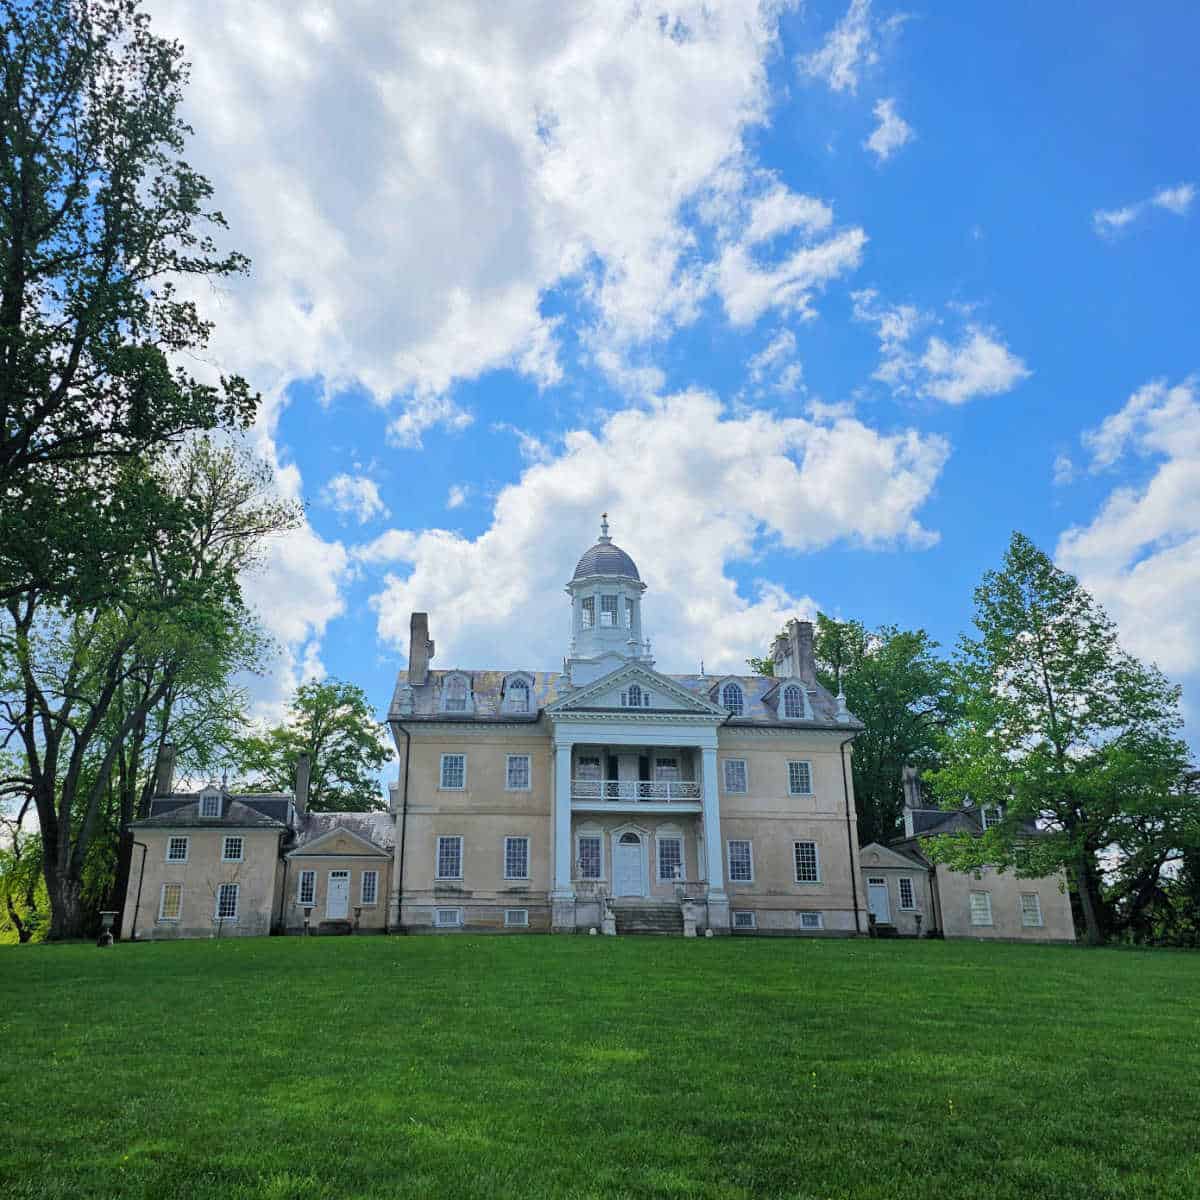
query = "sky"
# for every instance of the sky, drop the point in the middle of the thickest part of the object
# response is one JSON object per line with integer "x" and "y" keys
{"x": 818, "y": 301}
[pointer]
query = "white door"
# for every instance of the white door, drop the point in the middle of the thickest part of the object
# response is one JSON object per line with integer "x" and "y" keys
{"x": 877, "y": 901}
{"x": 627, "y": 866}
{"x": 337, "y": 897}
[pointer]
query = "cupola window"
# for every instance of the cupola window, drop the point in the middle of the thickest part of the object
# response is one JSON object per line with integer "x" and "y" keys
{"x": 628, "y": 613}
{"x": 587, "y": 612}
{"x": 793, "y": 703}
{"x": 608, "y": 612}
{"x": 731, "y": 699}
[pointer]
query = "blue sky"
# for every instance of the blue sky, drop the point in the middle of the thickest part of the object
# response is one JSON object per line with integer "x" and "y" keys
{"x": 820, "y": 301}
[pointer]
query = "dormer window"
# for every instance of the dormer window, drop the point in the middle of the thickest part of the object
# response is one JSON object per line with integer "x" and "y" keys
{"x": 608, "y": 612}
{"x": 587, "y": 612}
{"x": 732, "y": 699}
{"x": 456, "y": 694}
{"x": 516, "y": 695}
{"x": 793, "y": 703}
{"x": 635, "y": 697}
{"x": 992, "y": 816}
{"x": 210, "y": 804}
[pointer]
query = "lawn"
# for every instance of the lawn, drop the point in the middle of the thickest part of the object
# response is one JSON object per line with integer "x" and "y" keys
{"x": 575, "y": 1067}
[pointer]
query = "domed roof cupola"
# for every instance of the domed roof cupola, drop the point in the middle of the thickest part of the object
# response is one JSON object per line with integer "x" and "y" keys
{"x": 606, "y": 559}
{"x": 606, "y": 611}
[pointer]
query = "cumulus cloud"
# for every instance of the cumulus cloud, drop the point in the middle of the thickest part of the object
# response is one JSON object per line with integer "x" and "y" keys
{"x": 973, "y": 362}
{"x": 354, "y": 495}
{"x": 892, "y": 132}
{"x": 1064, "y": 470}
{"x": 1177, "y": 200}
{"x": 849, "y": 47}
{"x": 691, "y": 490}
{"x": 457, "y": 495}
{"x": 775, "y": 367}
{"x": 1140, "y": 555}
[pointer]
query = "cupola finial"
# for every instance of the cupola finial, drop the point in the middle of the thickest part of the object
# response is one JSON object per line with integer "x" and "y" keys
{"x": 604, "y": 528}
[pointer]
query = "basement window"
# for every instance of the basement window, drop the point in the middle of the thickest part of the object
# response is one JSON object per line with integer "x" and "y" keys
{"x": 745, "y": 920}
{"x": 516, "y": 918}
{"x": 812, "y": 920}
{"x": 448, "y": 918}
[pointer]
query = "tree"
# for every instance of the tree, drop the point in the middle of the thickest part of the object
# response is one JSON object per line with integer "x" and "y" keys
{"x": 104, "y": 232}
{"x": 82, "y": 682}
{"x": 1059, "y": 726}
{"x": 333, "y": 723}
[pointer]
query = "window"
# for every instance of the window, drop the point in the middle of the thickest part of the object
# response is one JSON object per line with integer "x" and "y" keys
{"x": 812, "y": 920}
{"x": 731, "y": 699}
{"x": 670, "y": 858}
{"x": 1031, "y": 910}
{"x": 170, "y": 902}
{"x": 516, "y": 858}
{"x": 992, "y": 816}
{"x": 745, "y": 920}
{"x": 516, "y": 918}
{"x": 908, "y": 898}
{"x": 793, "y": 703}
{"x": 635, "y": 697}
{"x": 177, "y": 849}
{"x": 516, "y": 696}
{"x": 981, "y": 908}
{"x": 455, "y": 694}
{"x": 587, "y": 767}
{"x": 735, "y": 774}
{"x": 741, "y": 862}
{"x": 517, "y": 773}
{"x": 227, "y": 901}
{"x": 306, "y": 889}
{"x": 369, "y": 893}
{"x": 800, "y": 778}
{"x": 231, "y": 851}
{"x": 449, "y": 858}
{"x": 210, "y": 804}
{"x": 454, "y": 772}
{"x": 608, "y": 611}
{"x": 587, "y": 612}
{"x": 808, "y": 869}
{"x": 628, "y": 614}
{"x": 666, "y": 770}
{"x": 589, "y": 857}
{"x": 448, "y": 918}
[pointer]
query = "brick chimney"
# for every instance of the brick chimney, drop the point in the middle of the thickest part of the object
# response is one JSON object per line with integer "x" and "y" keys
{"x": 910, "y": 780}
{"x": 164, "y": 770}
{"x": 781, "y": 656}
{"x": 420, "y": 650}
{"x": 800, "y": 638}
{"x": 303, "y": 771}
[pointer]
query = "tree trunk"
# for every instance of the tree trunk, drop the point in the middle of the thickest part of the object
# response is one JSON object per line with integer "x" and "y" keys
{"x": 1089, "y": 900}
{"x": 66, "y": 908}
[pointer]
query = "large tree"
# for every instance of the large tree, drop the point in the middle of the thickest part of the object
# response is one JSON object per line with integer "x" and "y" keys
{"x": 1058, "y": 725}
{"x": 333, "y": 724}
{"x": 105, "y": 232}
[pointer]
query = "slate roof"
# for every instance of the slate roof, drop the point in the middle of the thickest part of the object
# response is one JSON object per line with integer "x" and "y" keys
{"x": 606, "y": 559}
{"x": 378, "y": 828}
{"x": 277, "y": 805}
{"x": 235, "y": 815}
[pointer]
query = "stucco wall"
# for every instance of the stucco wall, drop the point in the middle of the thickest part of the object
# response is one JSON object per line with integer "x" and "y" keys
{"x": 373, "y": 917}
{"x": 955, "y": 887}
{"x": 874, "y": 866}
{"x": 200, "y": 877}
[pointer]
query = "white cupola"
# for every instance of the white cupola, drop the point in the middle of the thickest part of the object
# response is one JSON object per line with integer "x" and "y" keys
{"x": 606, "y": 612}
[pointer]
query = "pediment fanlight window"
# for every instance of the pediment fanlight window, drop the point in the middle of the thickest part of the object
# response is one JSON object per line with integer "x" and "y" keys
{"x": 518, "y": 694}
{"x": 456, "y": 694}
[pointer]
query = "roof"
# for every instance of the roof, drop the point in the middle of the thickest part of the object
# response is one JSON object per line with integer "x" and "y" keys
{"x": 606, "y": 559}
{"x": 277, "y": 805}
{"x": 235, "y": 815}
{"x": 378, "y": 828}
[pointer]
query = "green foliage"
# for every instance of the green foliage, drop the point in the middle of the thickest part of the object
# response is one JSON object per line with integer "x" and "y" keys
{"x": 571, "y": 1067}
{"x": 333, "y": 723}
{"x": 104, "y": 232}
{"x": 1057, "y": 724}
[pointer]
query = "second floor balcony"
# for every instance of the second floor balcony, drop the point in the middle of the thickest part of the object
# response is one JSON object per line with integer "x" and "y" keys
{"x": 662, "y": 791}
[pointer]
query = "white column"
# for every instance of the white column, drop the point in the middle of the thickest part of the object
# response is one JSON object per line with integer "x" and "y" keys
{"x": 562, "y": 822}
{"x": 712, "y": 826}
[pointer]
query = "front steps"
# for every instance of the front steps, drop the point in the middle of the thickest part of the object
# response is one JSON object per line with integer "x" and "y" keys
{"x": 648, "y": 918}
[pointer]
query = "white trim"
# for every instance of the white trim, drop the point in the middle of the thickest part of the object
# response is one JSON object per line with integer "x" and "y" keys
{"x": 338, "y": 873}
{"x": 187, "y": 848}
{"x": 643, "y": 837}
{"x": 205, "y": 797}
{"x": 796, "y": 844}
{"x": 162, "y": 898}
{"x": 901, "y": 880}
{"x": 241, "y": 854}
{"x": 818, "y": 923}
{"x": 987, "y": 897}
{"x": 796, "y": 762}
{"x": 1037, "y": 904}
{"x": 469, "y": 702}
{"x": 312, "y": 902}
{"x": 508, "y": 786}
{"x": 510, "y": 680}
{"x": 516, "y": 918}
{"x": 738, "y": 708}
{"x": 437, "y": 855}
{"x": 363, "y": 902}
{"x": 661, "y": 836}
{"x": 745, "y": 788}
{"x": 729, "y": 859}
{"x": 455, "y": 923}
{"x": 589, "y": 831}
{"x": 517, "y": 837}
{"x": 443, "y": 786}
{"x": 738, "y": 921}
{"x": 237, "y": 900}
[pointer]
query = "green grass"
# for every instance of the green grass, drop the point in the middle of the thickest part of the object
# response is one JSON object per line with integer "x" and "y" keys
{"x": 524, "y": 1067}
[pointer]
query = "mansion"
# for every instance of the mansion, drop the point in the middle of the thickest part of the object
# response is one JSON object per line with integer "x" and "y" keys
{"x": 606, "y": 797}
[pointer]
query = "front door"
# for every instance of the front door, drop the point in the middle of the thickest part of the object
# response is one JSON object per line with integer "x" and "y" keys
{"x": 627, "y": 866}
{"x": 877, "y": 901}
{"x": 337, "y": 898}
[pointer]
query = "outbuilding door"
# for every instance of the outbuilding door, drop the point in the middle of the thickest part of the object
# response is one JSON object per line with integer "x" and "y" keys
{"x": 627, "y": 866}
{"x": 337, "y": 900}
{"x": 877, "y": 901}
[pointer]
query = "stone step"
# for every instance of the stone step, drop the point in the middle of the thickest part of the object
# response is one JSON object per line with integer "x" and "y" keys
{"x": 649, "y": 919}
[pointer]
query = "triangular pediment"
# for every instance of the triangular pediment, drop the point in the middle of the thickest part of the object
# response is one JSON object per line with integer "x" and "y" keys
{"x": 876, "y": 855}
{"x": 338, "y": 841}
{"x": 606, "y": 693}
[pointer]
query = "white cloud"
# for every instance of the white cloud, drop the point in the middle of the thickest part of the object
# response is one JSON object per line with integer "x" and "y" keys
{"x": 690, "y": 489}
{"x": 1140, "y": 555}
{"x": 975, "y": 363}
{"x": 1177, "y": 200}
{"x": 775, "y": 367}
{"x": 457, "y": 495}
{"x": 848, "y": 48}
{"x": 354, "y": 495}
{"x": 1064, "y": 470}
{"x": 892, "y": 132}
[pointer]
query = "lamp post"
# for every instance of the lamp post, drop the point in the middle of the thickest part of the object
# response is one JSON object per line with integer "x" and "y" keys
{"x": 307, "y": 917}
{"x": 357, "y": 916}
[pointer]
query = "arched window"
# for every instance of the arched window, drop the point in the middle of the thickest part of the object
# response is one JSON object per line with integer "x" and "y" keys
{"x": 455, "y": 699}
{"x": 517, "y": 696}
{"x": 793, "y": 703}
{"x": 731, "y": 699}
{"x": 634, "y": 696}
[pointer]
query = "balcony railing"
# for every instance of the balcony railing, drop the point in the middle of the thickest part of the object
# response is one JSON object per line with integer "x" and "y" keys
{"x": 661, "y": 790}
